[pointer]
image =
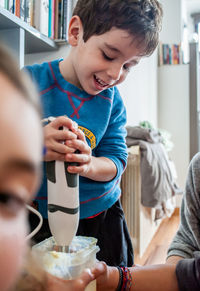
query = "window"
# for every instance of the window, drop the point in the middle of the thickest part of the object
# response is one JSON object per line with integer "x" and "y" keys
{"x": 196, "y": 19}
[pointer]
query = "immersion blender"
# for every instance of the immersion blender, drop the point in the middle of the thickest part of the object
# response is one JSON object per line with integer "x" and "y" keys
{"x": 63, "y": 202}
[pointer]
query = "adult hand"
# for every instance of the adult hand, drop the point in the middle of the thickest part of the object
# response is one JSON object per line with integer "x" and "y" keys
{"x": 79, "y": 284}
{"x": 108, "y": 279}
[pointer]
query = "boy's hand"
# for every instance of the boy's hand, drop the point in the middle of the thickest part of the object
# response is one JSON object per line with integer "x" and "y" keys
{"x": 83, "y": 158}
{"x": 53, "y": 138}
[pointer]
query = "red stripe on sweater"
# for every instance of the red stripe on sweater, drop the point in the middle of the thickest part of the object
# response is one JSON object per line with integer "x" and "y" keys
{"x": 95, "y": 198}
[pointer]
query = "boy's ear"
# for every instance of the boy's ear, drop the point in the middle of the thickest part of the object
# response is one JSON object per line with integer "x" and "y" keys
{"x": 75, "y": 30}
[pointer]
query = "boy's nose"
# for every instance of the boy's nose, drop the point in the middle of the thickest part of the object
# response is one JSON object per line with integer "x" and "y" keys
{"x": 115, "y": 72}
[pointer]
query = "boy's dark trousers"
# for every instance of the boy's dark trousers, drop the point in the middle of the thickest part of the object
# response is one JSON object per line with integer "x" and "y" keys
{"x": 110, "y": 229}
{"x": 114, "y": 241}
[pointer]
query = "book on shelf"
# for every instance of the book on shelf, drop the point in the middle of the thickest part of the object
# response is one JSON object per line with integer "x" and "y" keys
{"x": 66, "y": 17}
{"x": 27, "y": 11}
{"x": 50, "y": 13}
{"x": 11, "y": 5}
{"x": 160, "y": 54}
{"x": 17, "y": 7}
{"x": 55, "y": 25}
{"x": 60, "y": 19}
{"x": 41, "y": 16}
{"x": 22, "y": 10}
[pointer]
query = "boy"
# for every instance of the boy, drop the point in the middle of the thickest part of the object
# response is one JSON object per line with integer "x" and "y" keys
{"x": 20, "y": 156}
{"x": 107, "y": 38}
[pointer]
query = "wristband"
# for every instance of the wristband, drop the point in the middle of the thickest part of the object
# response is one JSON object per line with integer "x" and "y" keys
{"x": 119, "y": 287}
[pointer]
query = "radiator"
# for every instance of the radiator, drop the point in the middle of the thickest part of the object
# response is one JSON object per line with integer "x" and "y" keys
{"x": 131, "y": 194}
{"x": 140, "y": 220}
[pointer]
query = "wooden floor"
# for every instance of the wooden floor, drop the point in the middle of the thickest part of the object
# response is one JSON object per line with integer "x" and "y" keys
{"x": 157, "y": 249}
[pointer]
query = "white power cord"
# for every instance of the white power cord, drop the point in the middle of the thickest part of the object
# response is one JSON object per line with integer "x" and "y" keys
{"x": 30, "y": 208}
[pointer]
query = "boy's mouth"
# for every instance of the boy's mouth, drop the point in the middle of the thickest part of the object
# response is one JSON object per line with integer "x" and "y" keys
{"x": 99, "y": 82}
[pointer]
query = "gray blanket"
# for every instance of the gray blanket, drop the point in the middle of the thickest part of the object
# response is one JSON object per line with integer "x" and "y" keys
{"x": 158, "y": 184}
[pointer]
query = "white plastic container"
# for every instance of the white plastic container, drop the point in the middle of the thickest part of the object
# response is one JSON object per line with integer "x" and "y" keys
{"x": 82, "y": 254}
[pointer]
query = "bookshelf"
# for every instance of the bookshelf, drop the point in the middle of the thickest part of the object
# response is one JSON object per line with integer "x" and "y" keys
{"x": 21, "y": 37}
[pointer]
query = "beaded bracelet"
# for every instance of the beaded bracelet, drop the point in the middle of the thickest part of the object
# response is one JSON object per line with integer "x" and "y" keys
{"x": 125, "y": 279}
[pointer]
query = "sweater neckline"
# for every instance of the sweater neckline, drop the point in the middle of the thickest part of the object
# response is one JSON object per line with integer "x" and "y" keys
{"x": 64, "y": 84}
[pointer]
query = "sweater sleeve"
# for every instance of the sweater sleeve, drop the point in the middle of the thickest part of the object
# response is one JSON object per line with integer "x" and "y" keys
{"x": 187, "y": 238}
{"x": 188, "y": 273}
{"x": 30, "y": 71}
{"x": 113, "y": 143}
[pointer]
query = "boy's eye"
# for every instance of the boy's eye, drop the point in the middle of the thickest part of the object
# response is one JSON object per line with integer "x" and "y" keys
{"x": 106, "y": 57}
{"x": 10, "y": 203}
{"x": 126, "y": 68}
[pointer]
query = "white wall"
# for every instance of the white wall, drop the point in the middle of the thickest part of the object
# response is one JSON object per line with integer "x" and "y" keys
{"x": 47, "y": 56}
{"x": 139, "y": 92}
{"x": 173, "y": 91}
{"x": 172, "y": 21}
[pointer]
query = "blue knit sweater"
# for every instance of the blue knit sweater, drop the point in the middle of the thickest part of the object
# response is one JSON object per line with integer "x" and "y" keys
{"x": 101, "y": 117}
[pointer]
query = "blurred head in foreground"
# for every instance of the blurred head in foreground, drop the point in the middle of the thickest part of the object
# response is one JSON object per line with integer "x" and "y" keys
{"x": 20, "y": 156}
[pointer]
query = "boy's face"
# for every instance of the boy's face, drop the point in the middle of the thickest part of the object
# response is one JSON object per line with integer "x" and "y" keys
{"x": 103, "y": 61}
{"x": 20, "y": 155}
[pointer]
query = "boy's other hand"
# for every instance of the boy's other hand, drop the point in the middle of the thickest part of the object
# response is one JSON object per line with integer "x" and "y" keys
{"x": 94, "y": 168}
{"x": 55, "y": 139}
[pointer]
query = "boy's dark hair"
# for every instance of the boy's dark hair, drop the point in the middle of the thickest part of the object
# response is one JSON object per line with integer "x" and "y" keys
{"x": 19, "y": 79}
{"x": 141, "y": 18}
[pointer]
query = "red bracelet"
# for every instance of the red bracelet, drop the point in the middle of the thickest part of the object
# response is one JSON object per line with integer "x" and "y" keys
{"x": 125, "y": 279}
